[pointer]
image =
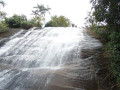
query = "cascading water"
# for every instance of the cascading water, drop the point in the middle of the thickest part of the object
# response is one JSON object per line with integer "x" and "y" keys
{"x": 42, "y": 59}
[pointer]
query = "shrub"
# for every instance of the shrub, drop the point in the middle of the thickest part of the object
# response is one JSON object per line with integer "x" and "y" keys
{"x": 26, "y": 25}
{"x": 34, "y": 21}
{"x": 3, "y": 27}
{"x": 49, "y": 24}
{"x": 15, "y": 21}
{"x": 60, "y": 21}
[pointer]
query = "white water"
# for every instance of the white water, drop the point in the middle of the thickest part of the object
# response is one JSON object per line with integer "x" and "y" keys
{"x": 29, "y": 61}
{"x": 46, "y": 48}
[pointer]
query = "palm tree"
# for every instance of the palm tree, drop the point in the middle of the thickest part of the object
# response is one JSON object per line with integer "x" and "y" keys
{"x": 2, "y": 3}
{"x": 2, "y": 14}
{"x": 40, "y": 12}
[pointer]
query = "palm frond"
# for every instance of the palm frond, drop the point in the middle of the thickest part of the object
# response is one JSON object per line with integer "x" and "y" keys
{"x": 2, "y": 3}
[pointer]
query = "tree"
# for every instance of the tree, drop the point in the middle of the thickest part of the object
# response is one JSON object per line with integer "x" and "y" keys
{"x": 2, "y": 15}
{"x": 90, "y": 20}
{"x": 40, "y": 12}
{"x": 108, "y": 12}
{"x": 15, "y": 21}
{"x": 3, "y": 25}
{"x": 2, "y": 2}
{"x": 60, "y": 21}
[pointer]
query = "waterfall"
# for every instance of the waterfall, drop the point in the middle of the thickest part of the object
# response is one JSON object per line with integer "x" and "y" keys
{"x": 29, "y": 60}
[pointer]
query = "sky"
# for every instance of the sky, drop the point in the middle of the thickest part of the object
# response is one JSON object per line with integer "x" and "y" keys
{"x": 75, "y": 10}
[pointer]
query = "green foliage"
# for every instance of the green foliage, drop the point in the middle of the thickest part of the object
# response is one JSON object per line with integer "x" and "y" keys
{"x": 2, "y": 15}
{"x": 26, "y": 25}
{"x": 50, "y": 24}
{"x": 35, "y": 23}
{"x": 108, "y": 13}
{"x": 60, "y": 21}
{"x": 101, "y": 31}
{"x": 3, "y": 26}
{"x": 90, "y": 20}
{"x": 40, "y": 12}
{"x": 15, "y": 21}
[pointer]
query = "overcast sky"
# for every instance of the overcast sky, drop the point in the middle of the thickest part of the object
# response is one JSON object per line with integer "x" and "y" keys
{"x": 75, "y": 10}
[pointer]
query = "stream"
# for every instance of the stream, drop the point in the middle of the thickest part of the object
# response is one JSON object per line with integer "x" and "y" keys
{"x": 49, "y": 59}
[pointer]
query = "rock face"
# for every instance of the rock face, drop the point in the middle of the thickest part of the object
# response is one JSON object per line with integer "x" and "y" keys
{"x": 5, "y": 36}
{"x": 101, "y": 63}
{"x": 50, "y": 59}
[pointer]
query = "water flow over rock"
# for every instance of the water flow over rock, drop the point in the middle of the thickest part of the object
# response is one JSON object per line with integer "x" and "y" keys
{"x": 47, "y": 48}
{"x": 47, "y": 59}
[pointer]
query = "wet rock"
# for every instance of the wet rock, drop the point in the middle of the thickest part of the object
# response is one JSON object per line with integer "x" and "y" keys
{"x": 47, "y": 60}
{"x": 2, "y": 41}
